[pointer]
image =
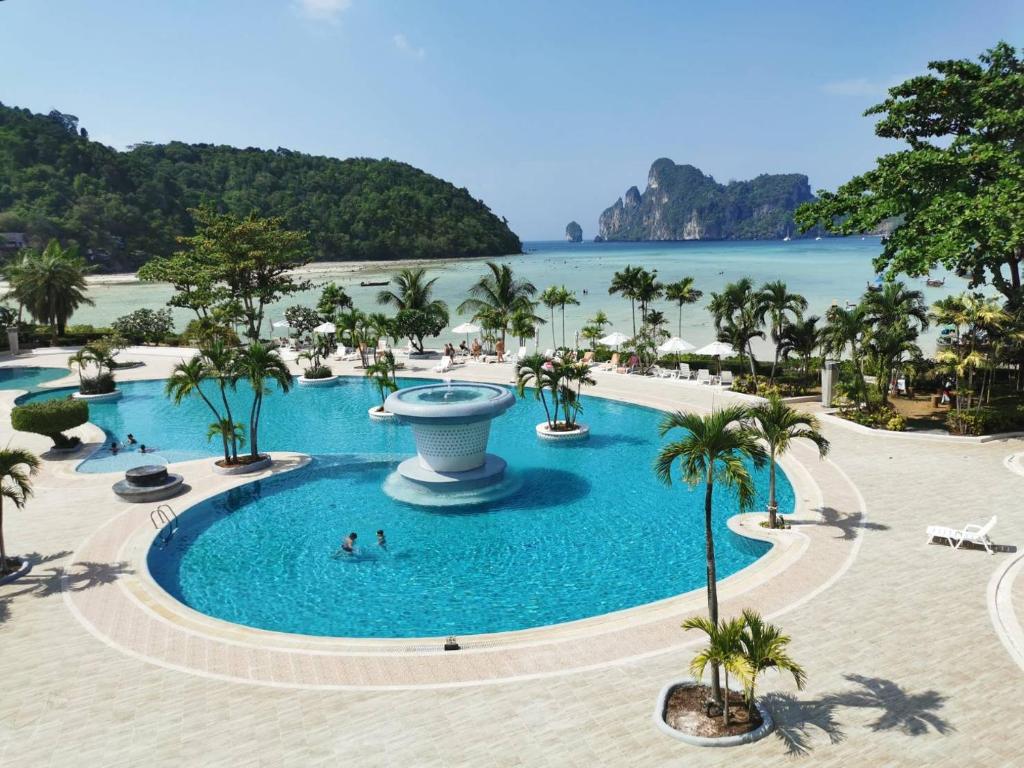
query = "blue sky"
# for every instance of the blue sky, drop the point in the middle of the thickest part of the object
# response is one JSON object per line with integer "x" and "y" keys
{"x": 546, "y": 110}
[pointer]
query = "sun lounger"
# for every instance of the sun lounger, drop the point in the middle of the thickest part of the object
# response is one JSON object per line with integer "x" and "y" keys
{"x": 726, "y": 379}
{"x": 703, "y": 376}
{"x": 612, "y": 364}
{"x": 684, "y": 371}
{"x": 970, "y": 533}
{"x": 444, "y": 366}
{"x": 588, "y": 358}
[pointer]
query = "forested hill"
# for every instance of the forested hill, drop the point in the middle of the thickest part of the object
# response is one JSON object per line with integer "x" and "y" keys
{"x": 124, "y": 207}
{"x": 681, "y": 203}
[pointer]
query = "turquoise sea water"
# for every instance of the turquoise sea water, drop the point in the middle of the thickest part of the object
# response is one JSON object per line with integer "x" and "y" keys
{"x": 827, "y": 270}
{"x": 589, "y": 530}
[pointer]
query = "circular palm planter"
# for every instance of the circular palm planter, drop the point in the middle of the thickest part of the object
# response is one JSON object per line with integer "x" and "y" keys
{"x": 106, "y": 397}
{"x": 26, "y": 566}
{"x": 325, "y": 382}
{"x": 582, "y": 432}
{"x": 766, "y": 726}
{"x": 263, "y": 462}
{"x": 379, "y": 414}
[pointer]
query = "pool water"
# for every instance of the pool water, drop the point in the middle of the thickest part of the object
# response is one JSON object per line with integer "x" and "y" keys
{"x": 588, "y": 530}
{"x": 29, "y": 377}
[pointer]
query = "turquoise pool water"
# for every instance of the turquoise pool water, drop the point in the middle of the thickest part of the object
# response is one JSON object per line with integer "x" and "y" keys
{"x": 28, "y": 377}
{"x": 589, "y": 530}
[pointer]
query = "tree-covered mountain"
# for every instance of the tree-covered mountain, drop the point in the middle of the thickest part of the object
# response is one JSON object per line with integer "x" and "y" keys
{"x": 122, "y": 208}
{"x": 681, "y": 203}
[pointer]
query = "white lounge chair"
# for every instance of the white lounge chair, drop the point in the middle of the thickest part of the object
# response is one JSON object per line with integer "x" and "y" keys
{"x": 661, "y": 373}
{"x": 444, "y": 366}
{"x": 726, "y": 379}
{"x": 612, "y": 364}
{"x": 970, "y": 533}
{"x": 684, "y": 371}
{"x": 703, "y": 376}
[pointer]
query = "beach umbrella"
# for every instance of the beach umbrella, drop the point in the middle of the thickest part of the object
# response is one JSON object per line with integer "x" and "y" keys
{"x": 675, "y": 346}
{"x": 717, "y": 349}
{"x": 466, "y": 328}
{"x": 614, "y": 338}
{"x": 325, "y": 328}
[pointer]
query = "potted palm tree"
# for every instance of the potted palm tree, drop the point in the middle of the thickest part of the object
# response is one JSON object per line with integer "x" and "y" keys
{"x": 16, "y": 468}
{"x": 713, "y": 449}
{"x": 186, "y": 380}
{"x": 563, "y": 381}
{"x": 101, "y": 386}
{"x": 316, "y": 374}
{"x": 261, "y": 367}
{"x": 382, "y": 374}
{"x": 778, "y": 426}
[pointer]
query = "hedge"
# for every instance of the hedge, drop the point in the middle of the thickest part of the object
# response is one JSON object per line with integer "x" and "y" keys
{"x": 50, "y": 418}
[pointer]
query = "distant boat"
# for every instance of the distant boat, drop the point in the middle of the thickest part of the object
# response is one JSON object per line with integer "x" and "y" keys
{"x": 931, "y": 282}
{"x": 370, "y": 283}
{"x": 876, "y": 285}
{"x": 785, "y": 239}
{"x": 818, "y": 238}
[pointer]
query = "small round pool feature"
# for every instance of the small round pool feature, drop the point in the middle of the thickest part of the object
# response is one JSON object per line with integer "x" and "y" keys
{"x": 451, "y": 424}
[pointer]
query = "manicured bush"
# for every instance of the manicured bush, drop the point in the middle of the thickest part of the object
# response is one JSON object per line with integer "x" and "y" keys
{"x": 318, "y": 372}
{"x": 51, "y": 418}
{"x": 101, "y": 384}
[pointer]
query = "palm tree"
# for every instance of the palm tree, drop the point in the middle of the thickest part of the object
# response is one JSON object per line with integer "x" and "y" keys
{"x": 975, "y": 320}
{"x": 15, "y": 484}
{"x": 764, "y": 647}
{"x": 382, "y": 372}
{"x": 186, "y": 381}
{"x": 627, "y": 283}
{"x": 724, "y": 650}
{"x": 221, "y": 365}
{"x": 801, "y": 338}
{"x": 737, "y": 317}
{"x": 550, "y": 297}
{"x": 713, "y": 449}
{"x": 648, "y": 289}
{"x": 656, "y": 322}
{"x": 231, "y": 431}
{"x": 578, "y": 374}
{"x": 895, "y": 315}
{"x": 682, "y": 292}
{"x": 566, "y": 297}
{"x": 522, "y": 326}
{"x": 80, "y": 359}
{"x": 414, "y": 294}
{"x": 50, "y": 285}
{"x": 777, "y": 304}
{"x": 535, "y": 370}
{"x": 261, "y": 366}
{"x": 844, "y": 331}
{"x": 779, "y": 425}
{"x": 499, "y": 295}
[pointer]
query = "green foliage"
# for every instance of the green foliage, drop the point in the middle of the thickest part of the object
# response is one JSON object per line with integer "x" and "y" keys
{"x": 51, "y": 418}
{"x": 498, "y": 296}
{"x": 563, "y": 380}
{"x": 144, "y": 326}
{"x": 16, "y": 469}
{"x": 129, "y": 206}
{"x": 382, "y": 373}
{"x": 333, "y": 300}
{"x": 302, "y": 320}
{"x": 49, "y": 284}
{"x": 958, "y": 186}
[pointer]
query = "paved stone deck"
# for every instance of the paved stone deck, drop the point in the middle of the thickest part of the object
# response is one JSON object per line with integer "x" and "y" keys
{"x": 905, "y": 665}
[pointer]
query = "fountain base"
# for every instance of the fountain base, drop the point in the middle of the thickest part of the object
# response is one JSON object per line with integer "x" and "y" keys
{"x": 490, "y": 471}
{"x": 496, "y": 489}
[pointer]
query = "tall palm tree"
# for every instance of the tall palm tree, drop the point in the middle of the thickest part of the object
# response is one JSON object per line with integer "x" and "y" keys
{"x": 801, "y": 338}
{"x": 50, "y": 285}
{"x": 656, "y": 321}
{"x": 627, "y": 283}
{"x": 713, "y": 449}
{"x": 412, "y": 290}
{"x": 221, "y": 365}
{"x": 764, "y": 647}
{"x": 261, "y": 366}
{"x": 844, "y": 333}
{"x": 896, "y": 316}
{"x": 16, "y": 468}
{"x": 682, "y": 292}
{"x": 737, "y": 318}
{"x": 778, "y": 305}
{"x": 723, "y": 651}
{"x": 566, "y": 298}
{"x": 186, "y": 381}
{"x": 975, "y": 320}
{"x": 499, "y": 294}
{"x": 779, "y": 425}
{"x": 648, "y": 289}
{"x": 550, "y": 297}
{"x": 522, "y": 326}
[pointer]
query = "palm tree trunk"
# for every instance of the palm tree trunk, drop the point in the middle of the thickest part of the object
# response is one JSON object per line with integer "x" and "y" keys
{"x": 679, "y": 333}
{"x": 563, "y": 325}
{"x": 632, "y": 308}
{"x": 753, "y": 365}
{"x": 725, "y": 705}
{"x": 773, "y": 507}
{"x": 231, "y": 423}
{"x": 3, "y": 550}
{"x": 554, "y": 341}
{"x": 254, "y": 425}
{"x": 709, "y": 547}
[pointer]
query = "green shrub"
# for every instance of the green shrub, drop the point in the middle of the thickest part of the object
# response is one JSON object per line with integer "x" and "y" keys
{"x": 101, "y": 384}
{"x": 51, "y": 418}
{"x": 144, "y": 326}
{"x": 318, "y": 372}
{"x": 987, "y": 421}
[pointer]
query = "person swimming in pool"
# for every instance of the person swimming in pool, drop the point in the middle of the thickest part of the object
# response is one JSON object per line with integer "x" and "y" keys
{"x": 381, "y": 541}
{"x": 348, "y": 546}
{"x": 131, "y": 439}
{"x": 114, "y": 447}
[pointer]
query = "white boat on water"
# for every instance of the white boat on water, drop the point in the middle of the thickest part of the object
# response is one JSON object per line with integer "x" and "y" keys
{"x": 785, "y": 239}
{"x": 818, "y": 238}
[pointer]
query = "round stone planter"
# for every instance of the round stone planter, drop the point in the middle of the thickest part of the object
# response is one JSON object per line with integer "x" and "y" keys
{"x": 26, "y": 566}
{"x": 380, "y": 415}
{"x": 151, "y": 482}
{"x": 582, "y": 432}
{"x": 65, "y": 451}
{"x": 766, "y": 727}
{"x": 106, "y": 397}
{"x": 244, "y": 469}
{"x": 303, "y": 381}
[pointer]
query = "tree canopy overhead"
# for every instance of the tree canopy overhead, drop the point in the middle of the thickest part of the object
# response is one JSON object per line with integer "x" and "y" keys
{"x": 121, "y": 208}
{"x": 958, "y": 186}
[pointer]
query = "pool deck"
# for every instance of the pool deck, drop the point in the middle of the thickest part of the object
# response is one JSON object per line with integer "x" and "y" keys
{"x": 914, "y": 652}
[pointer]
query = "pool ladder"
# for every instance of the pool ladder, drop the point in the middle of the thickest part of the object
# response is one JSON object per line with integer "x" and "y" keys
{"x": 165, "y": 521}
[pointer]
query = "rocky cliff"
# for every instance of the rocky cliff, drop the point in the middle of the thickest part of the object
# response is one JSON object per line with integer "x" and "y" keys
{"x": 573, "y": 232}
{"x": 681, "y": 203}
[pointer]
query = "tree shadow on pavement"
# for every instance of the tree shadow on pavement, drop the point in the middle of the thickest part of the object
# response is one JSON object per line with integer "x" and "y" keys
{"x": 797, "y": 722}
{"x": 847, "y": 524}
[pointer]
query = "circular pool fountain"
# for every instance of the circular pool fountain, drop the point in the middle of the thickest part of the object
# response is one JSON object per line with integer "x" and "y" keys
{"x": 451, "y": 424}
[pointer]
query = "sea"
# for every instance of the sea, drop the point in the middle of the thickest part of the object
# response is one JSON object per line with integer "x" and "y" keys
{"x": 826, "y": 272}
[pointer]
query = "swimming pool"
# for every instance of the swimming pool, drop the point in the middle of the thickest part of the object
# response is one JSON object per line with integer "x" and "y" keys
{"x": 28, "y": 377}
{"x": 588, "y": 531}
